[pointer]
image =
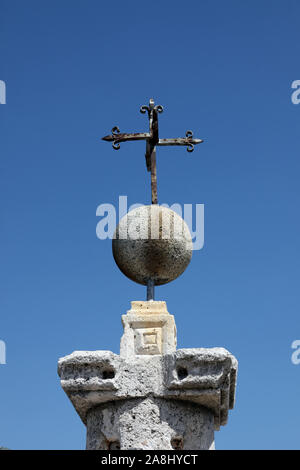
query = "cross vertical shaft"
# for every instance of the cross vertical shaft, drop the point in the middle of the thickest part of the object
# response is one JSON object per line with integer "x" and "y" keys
{"x": 153, "y": 177}
{"x": 151, "y": 148}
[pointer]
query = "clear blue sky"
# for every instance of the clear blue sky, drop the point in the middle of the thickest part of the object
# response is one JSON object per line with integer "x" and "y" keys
{"x": 73, "y": 70}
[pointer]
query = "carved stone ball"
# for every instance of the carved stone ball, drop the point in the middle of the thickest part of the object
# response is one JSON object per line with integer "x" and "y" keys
{"x": 152, "y": 242}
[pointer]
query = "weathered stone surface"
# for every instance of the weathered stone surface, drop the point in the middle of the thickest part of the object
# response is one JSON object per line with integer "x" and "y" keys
{"x": 82, "y": 378}
{"x": 150, "y": 423}
{"x": 149, "y": 329}
{"x": 152, "y": 242}
{"x": 202, "y": 376}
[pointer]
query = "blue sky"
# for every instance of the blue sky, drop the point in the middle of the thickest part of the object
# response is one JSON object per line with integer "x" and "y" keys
{"x": 73, "y": 70}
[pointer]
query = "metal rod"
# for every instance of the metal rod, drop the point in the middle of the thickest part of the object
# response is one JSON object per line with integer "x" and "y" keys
{"x": 153, "y": 177}
{"x": 150, "y": 289}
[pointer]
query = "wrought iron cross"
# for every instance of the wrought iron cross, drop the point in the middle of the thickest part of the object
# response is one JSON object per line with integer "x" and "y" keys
{"x": 152, "y": 140}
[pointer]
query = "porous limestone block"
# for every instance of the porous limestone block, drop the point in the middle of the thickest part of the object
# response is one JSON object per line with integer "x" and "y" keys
{"x": 206, "y": 377}
{"x": 91, "y": 378}
{"x": 149, "y": 330}
{"x": 150, "y": 423}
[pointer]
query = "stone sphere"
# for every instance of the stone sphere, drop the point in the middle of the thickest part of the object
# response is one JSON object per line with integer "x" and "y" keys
{"x": 152, "y": 242}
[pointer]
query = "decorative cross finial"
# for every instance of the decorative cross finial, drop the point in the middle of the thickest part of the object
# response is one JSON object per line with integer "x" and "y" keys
{"x": 152, "y": 140}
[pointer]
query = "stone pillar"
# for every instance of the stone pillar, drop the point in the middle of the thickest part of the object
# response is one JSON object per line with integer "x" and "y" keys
{"x": 150, "y": 396}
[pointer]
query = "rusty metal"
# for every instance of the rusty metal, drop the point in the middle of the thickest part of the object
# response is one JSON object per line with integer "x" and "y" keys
{"x": 152, "y": 141}
{"x": 150, "y": 289}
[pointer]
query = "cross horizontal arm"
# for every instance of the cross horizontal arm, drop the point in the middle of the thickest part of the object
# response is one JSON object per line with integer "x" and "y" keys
{"x": 189, "y": 141}
{"x": 179, "y": 141}
{"x": 116, "y": 137}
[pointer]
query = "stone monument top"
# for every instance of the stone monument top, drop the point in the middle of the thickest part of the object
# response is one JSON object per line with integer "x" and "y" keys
{"x": 151, "y": 395}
